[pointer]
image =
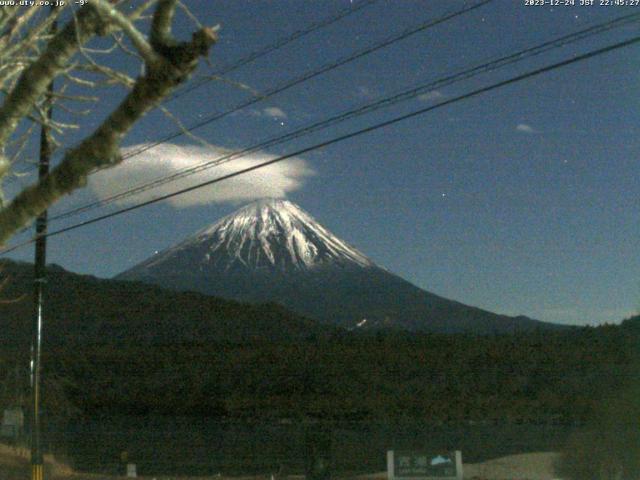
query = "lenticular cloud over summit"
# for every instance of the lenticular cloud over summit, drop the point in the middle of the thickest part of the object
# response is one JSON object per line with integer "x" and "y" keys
{"x": 161, "y": 161}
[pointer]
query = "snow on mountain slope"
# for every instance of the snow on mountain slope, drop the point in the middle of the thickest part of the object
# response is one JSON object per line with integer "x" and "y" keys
{"x": 265, "y": 235}
{"x": 273, "y": 251}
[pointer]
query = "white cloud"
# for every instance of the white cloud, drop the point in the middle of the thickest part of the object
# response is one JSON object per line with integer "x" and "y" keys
{"x": 429, "y": 96}
{"x": 275, "y": 112}
{"x": 275, "y": 180}
{"x": 523, "y": 127}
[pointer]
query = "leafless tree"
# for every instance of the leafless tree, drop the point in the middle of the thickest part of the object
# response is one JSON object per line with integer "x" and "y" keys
{"x": 79, "y": 57}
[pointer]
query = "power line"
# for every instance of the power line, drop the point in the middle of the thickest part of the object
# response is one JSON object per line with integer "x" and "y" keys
{"x": 308, "y": 75}
{"x": 347, "y": 136}
{"x": 275, "y": 46}
{"x": 305, "y": 77}
{"x": 278, "y": 44}
{"x": 385, "y": 102}
{"x": 314, "y": 73}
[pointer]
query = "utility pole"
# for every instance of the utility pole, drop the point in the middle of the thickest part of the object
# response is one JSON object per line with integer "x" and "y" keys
{"x": 37, "y": 463}
{"x": 36, "y": 340}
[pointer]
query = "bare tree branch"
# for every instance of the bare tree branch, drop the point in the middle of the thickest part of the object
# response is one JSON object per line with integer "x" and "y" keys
{"x": 188, "y": 13}
{"x": 161, "y": 36}
{"x": 138, "y": 12}
{"x": 118, "y": 39}
{"x": 115, "y": 17}
{"x": 171, "y": 64}
{"x": 29, "y": 40}
{"x": 184, "y": 129}
{"x": 35, "y": 79}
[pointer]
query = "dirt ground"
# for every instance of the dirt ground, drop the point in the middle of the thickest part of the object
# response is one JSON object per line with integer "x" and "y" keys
{"x": 14, "y": 465}
{"x": 530, "y": 466}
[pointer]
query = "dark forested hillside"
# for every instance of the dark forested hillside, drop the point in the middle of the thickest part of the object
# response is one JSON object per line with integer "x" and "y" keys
{"x": 532, "y": 378}
{"x": 273, "y": 251}
{"x": 127, "y": 348}
{"x": 84, "y": 310}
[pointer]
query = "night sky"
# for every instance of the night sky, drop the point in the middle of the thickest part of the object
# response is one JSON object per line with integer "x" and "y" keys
{"x": 523, "y": 200}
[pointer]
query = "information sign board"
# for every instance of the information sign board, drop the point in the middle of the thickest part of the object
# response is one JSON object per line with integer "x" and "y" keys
{"x": 403, "y": 465}
{"x": 13, "y": 417}
{"x": 131, "y": 470}
{"x": 12, "y": 423}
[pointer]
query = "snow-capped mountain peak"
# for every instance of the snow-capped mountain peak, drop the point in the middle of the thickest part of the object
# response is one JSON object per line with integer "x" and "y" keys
{"x": 270, "y": 234}
{"x": 273, "y": 251}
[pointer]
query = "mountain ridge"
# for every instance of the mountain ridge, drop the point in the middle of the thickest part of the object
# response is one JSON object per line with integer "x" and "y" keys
{"x": 266, "y": 235}
{"x": 272, "y": 250}
{"x": 85, "y": 310}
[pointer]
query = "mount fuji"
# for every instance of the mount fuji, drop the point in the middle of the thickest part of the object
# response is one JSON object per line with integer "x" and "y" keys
{"x": 273, "y": 251}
